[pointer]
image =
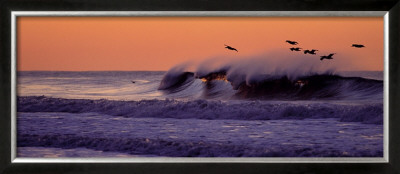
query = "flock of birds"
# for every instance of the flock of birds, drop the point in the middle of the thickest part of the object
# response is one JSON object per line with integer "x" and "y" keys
{"x": 312, "y": 51}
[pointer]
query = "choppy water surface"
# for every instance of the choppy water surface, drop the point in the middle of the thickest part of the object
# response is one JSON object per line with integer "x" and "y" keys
{"x": 178, "y": 137}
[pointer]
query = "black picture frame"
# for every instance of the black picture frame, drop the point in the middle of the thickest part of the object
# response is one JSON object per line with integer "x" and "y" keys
{"x": 7, "y": 6}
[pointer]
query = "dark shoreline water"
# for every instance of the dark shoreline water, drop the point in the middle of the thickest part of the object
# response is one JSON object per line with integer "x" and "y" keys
{"x": 200, "y": 137}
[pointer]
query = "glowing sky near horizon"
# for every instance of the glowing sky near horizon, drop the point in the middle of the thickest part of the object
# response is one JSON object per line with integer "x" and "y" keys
{"x": 159, "y": 43}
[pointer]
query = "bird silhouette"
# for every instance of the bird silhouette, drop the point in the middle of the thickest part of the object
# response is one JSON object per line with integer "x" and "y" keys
{"x": 327, "y": 57}
{"x": 357, "y": 45}
{"x": 292, "y": 42}
{"x": 310, "y": 51}
{"x": 231, "y": 48}
{"x": 295, "y": 49}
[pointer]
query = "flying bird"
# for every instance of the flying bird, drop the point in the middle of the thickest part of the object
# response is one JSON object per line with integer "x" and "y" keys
{"x": 310, "y": 51}
{"x": 292, "y": 42}
{"x": 295, "y": 49}
{"x": 357, "y": 45}
{"x": 327, "y": 57}
{"x": 231, "y": 48}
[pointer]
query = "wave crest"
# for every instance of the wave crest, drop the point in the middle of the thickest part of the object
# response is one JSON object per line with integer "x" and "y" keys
{"x": 207, "y": 109}
{"x": 273, "y": 76}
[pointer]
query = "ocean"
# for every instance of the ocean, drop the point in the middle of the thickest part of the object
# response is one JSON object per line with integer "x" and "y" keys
{"x": 183, "y": 114}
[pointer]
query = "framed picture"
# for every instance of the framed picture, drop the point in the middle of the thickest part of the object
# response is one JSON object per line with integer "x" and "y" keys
{"x": 108, "y": 88}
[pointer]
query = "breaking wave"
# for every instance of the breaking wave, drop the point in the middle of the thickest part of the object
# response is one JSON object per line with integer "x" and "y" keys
{"x": 371, "y": 113}
{"x": 313, "y": 86}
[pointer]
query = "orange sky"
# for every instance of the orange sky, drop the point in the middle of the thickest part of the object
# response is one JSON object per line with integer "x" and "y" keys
{"x": 158, "y": 43}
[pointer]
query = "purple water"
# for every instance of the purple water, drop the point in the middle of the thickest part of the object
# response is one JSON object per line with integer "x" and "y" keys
{"x": 94, "y": 114}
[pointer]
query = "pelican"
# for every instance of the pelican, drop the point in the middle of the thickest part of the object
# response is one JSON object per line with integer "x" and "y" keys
{"x": 231, "y": 48}
{"x": 310, "y": 51}
{"x": 357, "y": 45}
{"x": 327, "y": 57}
{"x": 292, "y": 42}
{"x": 295, "y": 49}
